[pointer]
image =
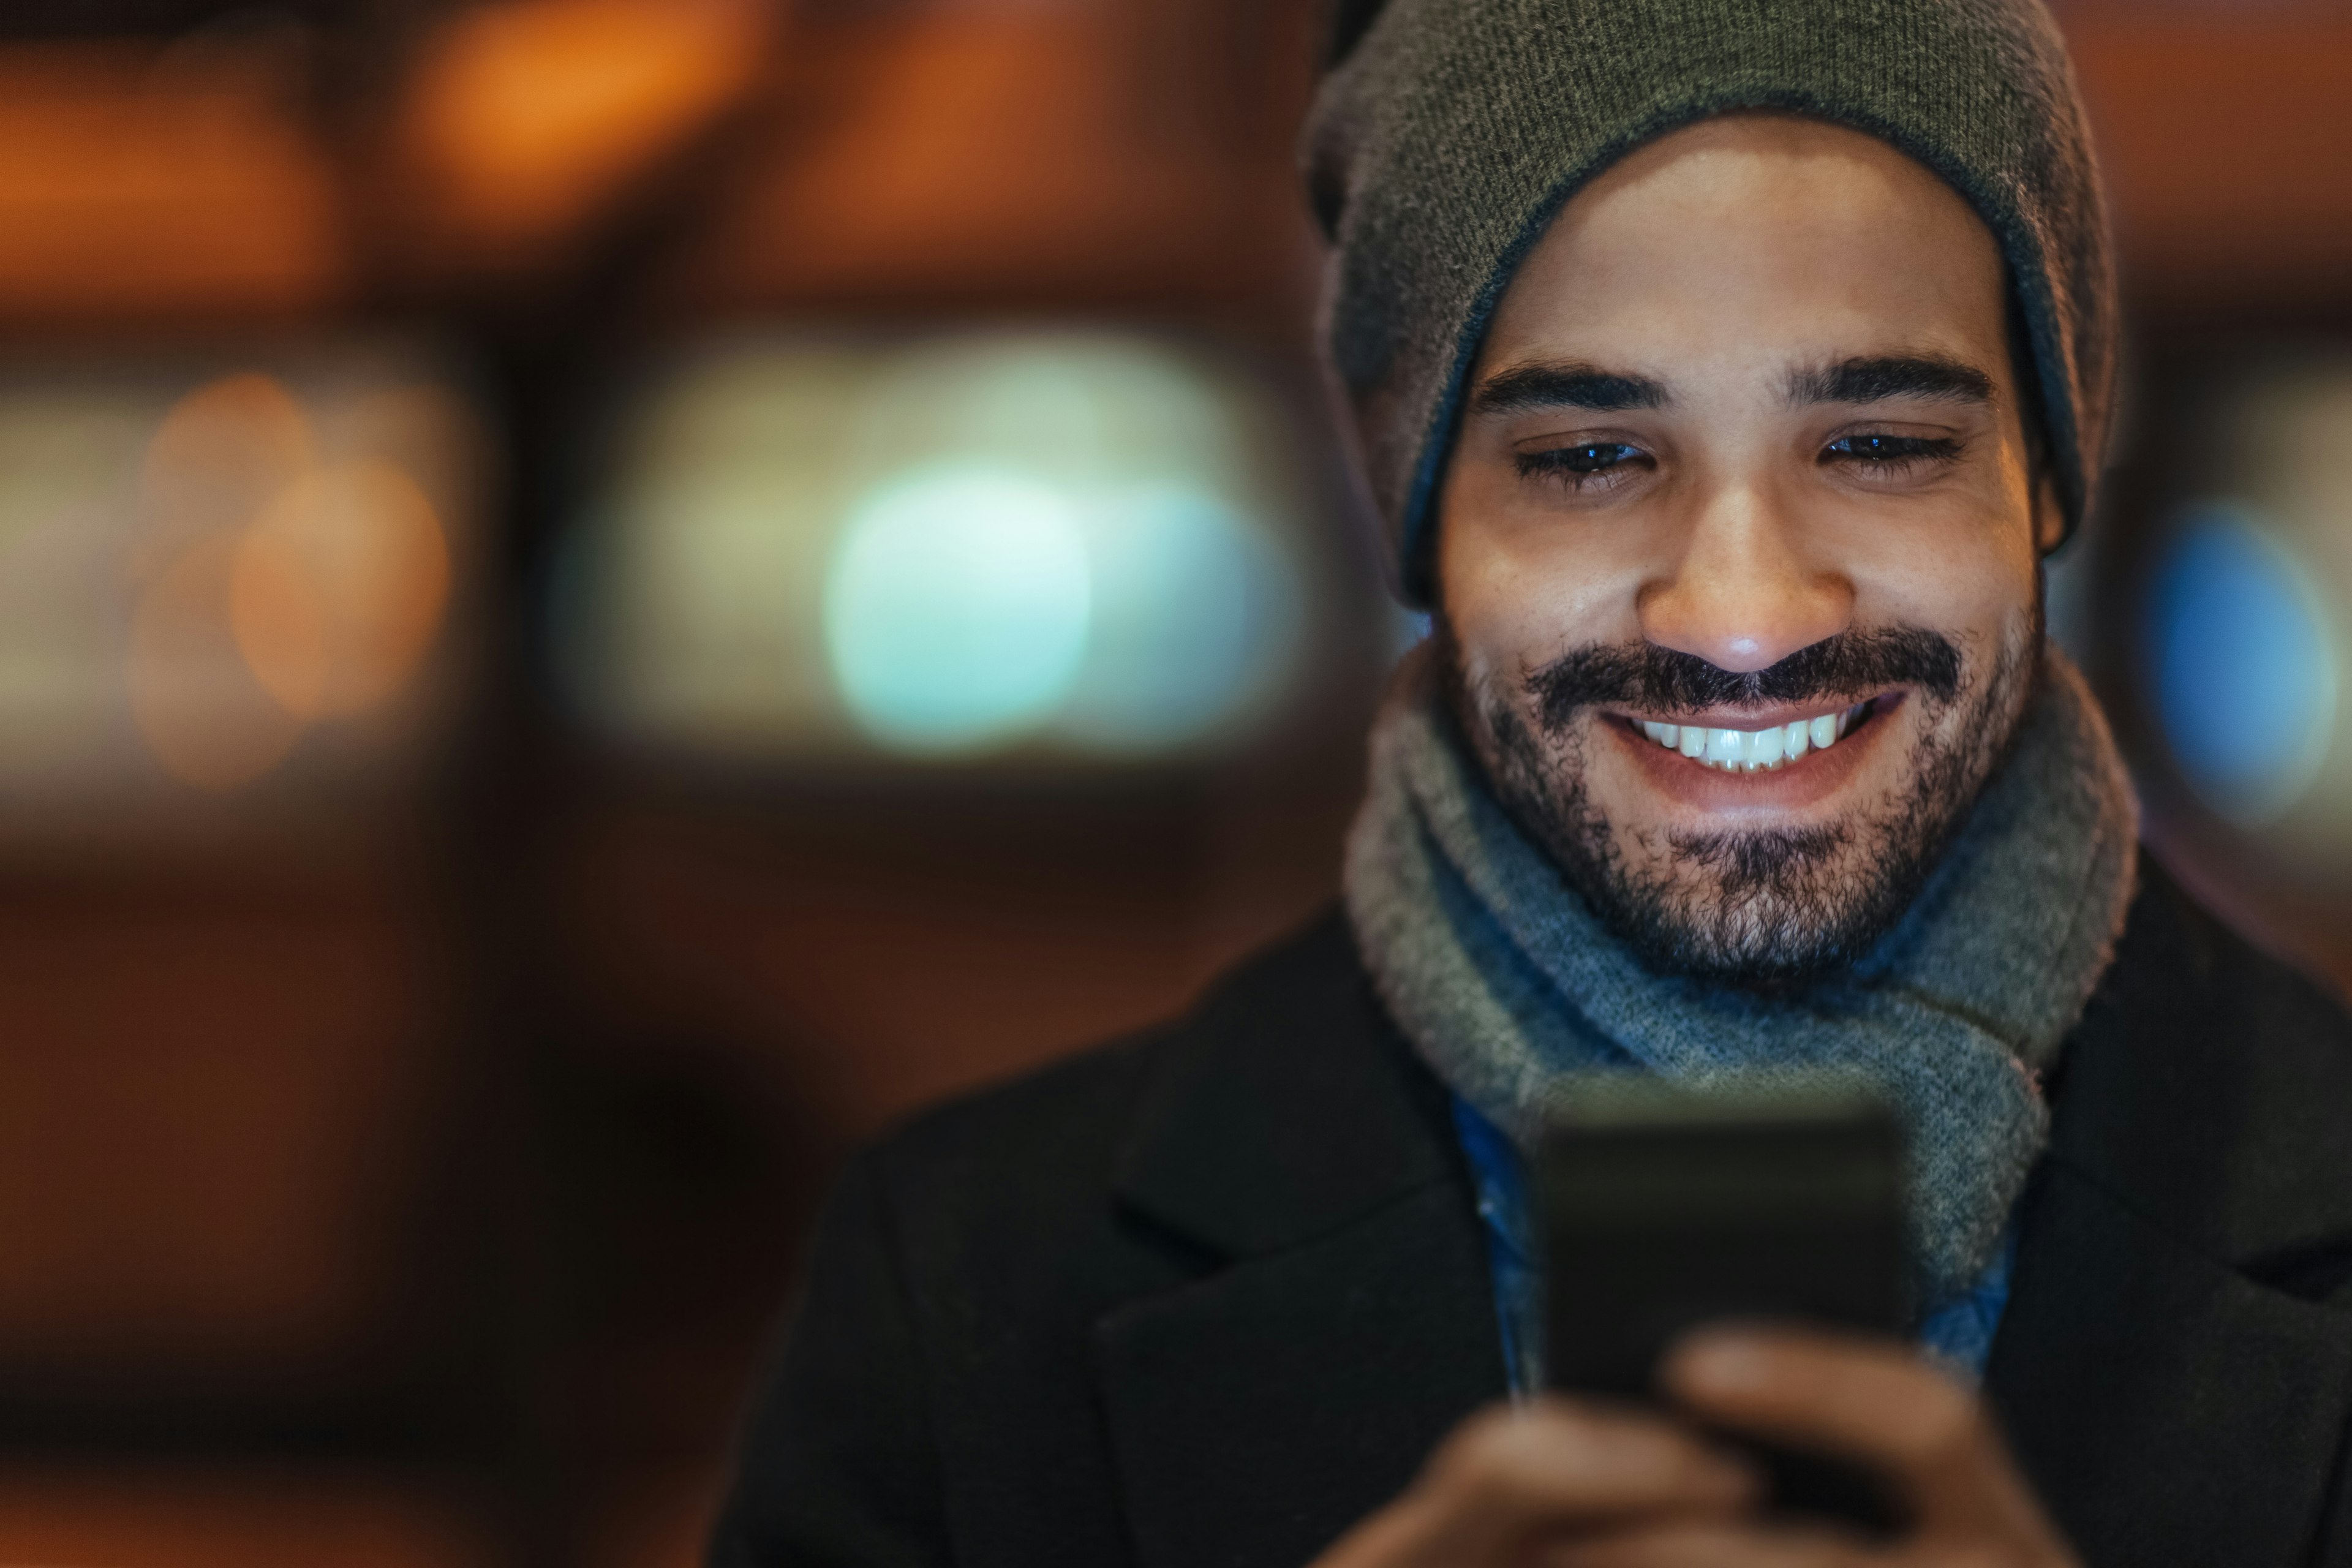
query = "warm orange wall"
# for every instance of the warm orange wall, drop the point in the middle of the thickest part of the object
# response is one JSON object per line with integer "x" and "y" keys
{"x": 2227, "y": 142}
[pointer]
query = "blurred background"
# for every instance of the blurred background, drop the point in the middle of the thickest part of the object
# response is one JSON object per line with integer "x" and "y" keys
{"x": 598, "y": 597}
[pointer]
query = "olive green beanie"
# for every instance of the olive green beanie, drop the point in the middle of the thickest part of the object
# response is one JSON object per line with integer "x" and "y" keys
{"x": 1448, "y": 132}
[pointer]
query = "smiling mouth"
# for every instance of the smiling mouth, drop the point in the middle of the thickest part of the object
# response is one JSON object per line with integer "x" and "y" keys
{"x": 1757, "y": 751}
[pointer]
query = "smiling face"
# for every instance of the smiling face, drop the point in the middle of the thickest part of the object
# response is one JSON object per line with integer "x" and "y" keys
{"x": 1737, "y": 555}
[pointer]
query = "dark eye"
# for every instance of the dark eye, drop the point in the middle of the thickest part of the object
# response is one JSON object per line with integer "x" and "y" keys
{"x": 1890, "y": 451}
{"x": 1577, "y": 461}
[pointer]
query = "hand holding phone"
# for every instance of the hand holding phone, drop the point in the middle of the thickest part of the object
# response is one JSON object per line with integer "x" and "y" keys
{"x": 1595, "y": 1484}
{"x": 1665, "y": 1210}
{"x": 1663, "y": 1214}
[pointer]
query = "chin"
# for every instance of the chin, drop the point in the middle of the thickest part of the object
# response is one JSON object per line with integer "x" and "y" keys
{"x": 1765, "y": 908}
{"x": 1764, "y": 894}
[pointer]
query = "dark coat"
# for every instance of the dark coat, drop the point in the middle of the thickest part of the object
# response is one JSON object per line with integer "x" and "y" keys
{"x": 1209, "y": 1296}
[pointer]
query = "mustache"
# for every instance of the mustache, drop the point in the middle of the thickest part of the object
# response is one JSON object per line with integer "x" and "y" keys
{"x": 1849, "y": 666}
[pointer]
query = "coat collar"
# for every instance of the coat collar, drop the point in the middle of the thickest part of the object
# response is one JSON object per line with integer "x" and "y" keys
{"x": 1290, "y": 1106}
{"x": 2171, "y": 1371}
{"x": 1344, "y": 1320}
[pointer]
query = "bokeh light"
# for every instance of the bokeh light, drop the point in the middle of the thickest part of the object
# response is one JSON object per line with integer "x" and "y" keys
{"x": 2243, "y": 663}
{"x": 524, "y": 116}
{"x": 223, "y": 453}
{"x": 1196, "y": 617}
{"x": 339, "y": 587}
{"x": 197, "y": 571}
{"x": 207, "y": 719}
{"x": 1068, "y": 543}
{"x": 2238, "y": 625}
{"x": 957, "y": 607}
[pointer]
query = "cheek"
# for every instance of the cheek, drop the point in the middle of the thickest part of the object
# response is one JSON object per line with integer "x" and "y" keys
{"x": 1968, "y": 568}
{"x": 1521, "y": 586}
{"x": 1977, "y": 593}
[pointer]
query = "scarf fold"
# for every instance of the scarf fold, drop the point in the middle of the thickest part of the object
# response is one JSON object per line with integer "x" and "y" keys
{"x": 1511, "y": 988}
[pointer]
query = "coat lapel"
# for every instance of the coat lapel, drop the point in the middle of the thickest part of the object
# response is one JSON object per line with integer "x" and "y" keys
{"x": 2174, "y": 1369}
{"x": 2171, "y": 1371}
{"x": 1344, "y": 1321}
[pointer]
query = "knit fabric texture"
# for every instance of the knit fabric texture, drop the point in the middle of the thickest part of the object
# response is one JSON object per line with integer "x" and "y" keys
{"x": 1448, "y": 135}
{"x": 1514, "y": 991}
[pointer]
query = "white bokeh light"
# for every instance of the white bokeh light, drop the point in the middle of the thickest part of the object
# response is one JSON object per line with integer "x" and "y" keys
{"x": 956, "y": 608}
{"x": 1196, "y": 620}
{"x": 1047, "y": 544}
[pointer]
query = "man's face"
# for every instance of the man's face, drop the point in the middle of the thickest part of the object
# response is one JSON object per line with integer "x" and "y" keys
{"x": 1742, "y": 470}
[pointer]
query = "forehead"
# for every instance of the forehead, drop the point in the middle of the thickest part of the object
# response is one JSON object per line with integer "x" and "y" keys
{"x": 1754, "y": 242}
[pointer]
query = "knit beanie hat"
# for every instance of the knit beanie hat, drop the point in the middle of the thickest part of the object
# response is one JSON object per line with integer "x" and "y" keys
{"x": 1448, "y": 132}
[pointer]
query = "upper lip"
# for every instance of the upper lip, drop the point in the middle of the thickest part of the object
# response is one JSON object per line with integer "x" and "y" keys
{"x": 1752, "y": 718}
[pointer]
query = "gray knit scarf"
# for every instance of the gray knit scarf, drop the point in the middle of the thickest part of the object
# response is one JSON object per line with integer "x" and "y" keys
{"x": 1511, "y": 987}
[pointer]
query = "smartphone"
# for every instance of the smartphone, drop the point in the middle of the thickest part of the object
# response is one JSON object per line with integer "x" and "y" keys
{"x": 1663, "y": 1209}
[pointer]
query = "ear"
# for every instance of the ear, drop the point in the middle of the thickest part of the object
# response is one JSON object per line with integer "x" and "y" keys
{"x": 2049, "y": 513}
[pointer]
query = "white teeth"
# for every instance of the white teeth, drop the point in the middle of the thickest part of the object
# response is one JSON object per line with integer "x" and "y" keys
{"x": 1754, "y": 751}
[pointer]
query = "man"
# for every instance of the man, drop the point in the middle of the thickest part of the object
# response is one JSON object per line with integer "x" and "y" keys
{"x": 1723, "y": 369}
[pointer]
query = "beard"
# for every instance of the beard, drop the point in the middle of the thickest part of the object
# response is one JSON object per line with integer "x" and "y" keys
{"x": 1763, "y": 909}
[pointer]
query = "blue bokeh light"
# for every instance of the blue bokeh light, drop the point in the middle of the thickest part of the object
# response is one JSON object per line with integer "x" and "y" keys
{"x": 2242, "y": 663}
{"x": 957, "y": 607}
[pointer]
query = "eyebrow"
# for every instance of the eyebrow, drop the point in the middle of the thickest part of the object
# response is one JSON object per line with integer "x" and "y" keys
{"x": 1877, "y": 378}
{"x": 1524, "y": 388}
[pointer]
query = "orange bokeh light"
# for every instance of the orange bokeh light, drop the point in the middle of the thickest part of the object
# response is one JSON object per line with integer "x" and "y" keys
{"x": 339, "y": 587}
{"x": 522, "y": 117}
{"x": 205, "y": 717}
{"x": 279, "y": 585}
{"x": 223, "y": 452}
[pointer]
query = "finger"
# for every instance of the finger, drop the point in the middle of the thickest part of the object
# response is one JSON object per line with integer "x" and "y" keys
{"x": 1866, "y": 1400}
{"x": 1713, "y": 1545}
{"x": 1552, "y": 1464}
{"x": 1512, "y": 1475}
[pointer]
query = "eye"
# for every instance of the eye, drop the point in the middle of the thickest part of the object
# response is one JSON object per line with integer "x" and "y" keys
{"x": 1879, "y": 449}
{"x": 1586, "y": 459}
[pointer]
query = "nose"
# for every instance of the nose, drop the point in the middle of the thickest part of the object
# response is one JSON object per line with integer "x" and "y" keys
{"x": 1742, "y": 595}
